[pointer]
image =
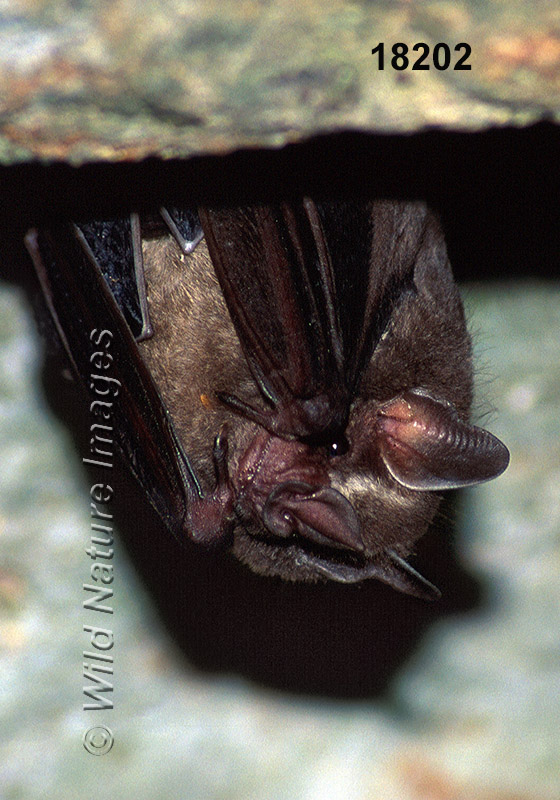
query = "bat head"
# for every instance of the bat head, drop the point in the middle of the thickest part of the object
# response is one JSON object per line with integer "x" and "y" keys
{"x": 352, "y": 512}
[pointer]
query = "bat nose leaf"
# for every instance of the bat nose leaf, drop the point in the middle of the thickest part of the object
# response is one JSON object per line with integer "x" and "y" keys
{"x": 320, "y": 514}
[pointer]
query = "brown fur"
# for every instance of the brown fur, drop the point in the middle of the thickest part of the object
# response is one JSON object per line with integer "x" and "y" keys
{"x": 194, "y": 352}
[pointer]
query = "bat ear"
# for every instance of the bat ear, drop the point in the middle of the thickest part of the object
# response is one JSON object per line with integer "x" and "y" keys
{"x": 425, "y": 446}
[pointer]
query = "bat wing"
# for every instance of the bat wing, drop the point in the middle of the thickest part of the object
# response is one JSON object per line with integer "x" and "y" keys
{"x": 80, "y": 301}
{"x": 276, "y": 275}
{"x": 311, "y": 289}
{"x": 116, "y": 247}
{"x": 373, "y": 247}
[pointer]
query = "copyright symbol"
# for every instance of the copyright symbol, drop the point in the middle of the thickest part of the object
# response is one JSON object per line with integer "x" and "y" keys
{"x": 98, "y": 740}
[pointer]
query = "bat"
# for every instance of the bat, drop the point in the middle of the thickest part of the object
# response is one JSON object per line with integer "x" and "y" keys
{"x": 292, "y": 381}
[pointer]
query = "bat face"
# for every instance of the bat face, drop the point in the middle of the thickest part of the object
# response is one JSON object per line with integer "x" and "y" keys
{"x": 304, "y": 392}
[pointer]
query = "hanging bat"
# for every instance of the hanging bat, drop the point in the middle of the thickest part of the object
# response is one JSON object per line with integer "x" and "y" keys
{"x": 295, "y": 380}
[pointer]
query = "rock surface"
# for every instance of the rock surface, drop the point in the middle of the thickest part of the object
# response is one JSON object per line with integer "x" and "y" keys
{"x": 83, "y": 81}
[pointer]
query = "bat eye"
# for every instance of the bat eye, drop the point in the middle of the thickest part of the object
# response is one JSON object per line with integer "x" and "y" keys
{"x": 337, "y": 447}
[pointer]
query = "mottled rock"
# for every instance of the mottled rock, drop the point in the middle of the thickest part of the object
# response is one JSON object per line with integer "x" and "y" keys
{"x": 84, "y": 81}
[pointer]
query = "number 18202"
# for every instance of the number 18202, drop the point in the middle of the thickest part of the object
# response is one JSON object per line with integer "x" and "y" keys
{"x": 441, "y": 56}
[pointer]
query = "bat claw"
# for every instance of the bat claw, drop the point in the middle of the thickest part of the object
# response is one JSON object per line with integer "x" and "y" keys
{"x": 220, "y": 454}
{"x": 211, "y": 517}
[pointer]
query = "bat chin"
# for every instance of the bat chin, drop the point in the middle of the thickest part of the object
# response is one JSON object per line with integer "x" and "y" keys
{"x": 298, "y": 561}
